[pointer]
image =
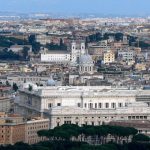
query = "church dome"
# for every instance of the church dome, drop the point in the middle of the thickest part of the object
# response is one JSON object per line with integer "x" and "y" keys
{"x": 85, "y": 59}
{"x": 51, "y": 82}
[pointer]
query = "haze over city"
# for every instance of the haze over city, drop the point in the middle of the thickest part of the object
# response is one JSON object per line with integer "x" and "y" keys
{"x": 117, "y": 7}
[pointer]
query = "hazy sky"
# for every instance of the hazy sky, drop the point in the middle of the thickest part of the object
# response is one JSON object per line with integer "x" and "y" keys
{"x": 78, "y": 6}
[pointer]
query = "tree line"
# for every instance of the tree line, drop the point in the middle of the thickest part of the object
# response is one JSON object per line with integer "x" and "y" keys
{"x": 66, "y": 145}
{"x": 6, "y": 54}
{"x": 133, "y": 41}
{"x": 9, "y": 41}
{"x": 73, "y": 137}
{"x": 94, "y": 134}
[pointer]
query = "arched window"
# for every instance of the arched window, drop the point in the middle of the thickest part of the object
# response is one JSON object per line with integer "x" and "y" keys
{"x": 85, "y": 68}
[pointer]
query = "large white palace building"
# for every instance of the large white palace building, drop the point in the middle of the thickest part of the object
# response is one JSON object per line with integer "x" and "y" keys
{"x": 83, "y": 105}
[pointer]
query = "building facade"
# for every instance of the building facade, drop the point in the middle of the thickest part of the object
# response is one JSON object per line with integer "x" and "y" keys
{"x": 126, "y": 55}
{"x": 83, "y": 105}
{"x": 5, "y": 99}
{"x": 59, "y": 57}
{"x": 55, "y": 57}
{"x": 12, "y": 129}
{"x": 32, "y": 127}
{"x": 109, "y": 57}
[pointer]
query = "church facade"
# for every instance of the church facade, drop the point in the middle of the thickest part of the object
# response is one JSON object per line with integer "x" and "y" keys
{"x": 71, "y": 55}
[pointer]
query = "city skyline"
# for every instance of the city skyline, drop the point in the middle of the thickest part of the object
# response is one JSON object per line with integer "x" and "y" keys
{"x": 117, "y": 7}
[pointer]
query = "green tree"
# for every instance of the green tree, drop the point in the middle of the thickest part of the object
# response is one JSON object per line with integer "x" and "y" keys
{"x": 21, "y": 145}
{"x": 7, "y": 83}
{"x": 15, "y": 87}
{"x": 32, "y": 39}
{"x": 35, "y": 45}
{"x": 25, "y": 52}
{"x": 102, "y": 133}
{"x": 8, "y": 55}
{"x": 141, "y": 138}
{"x": 30, "y": 88}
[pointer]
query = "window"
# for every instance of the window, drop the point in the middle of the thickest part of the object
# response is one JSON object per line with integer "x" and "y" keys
{"x": 92, "y": 123}
{"x": 119, "y": 104}
{"x": 79, "y": 105}
{"x": 67, "y": 122}
{"x": 91, "y": 105}
{"x": 107, "y": 105}
{"x": 113, "y": 105}
{"x": 100, "y": 105}
{"x": 85, "y": 68}
{"x": 58, "y": 104}
{"x": 129, "y": 117}
{"x": 95, "y": 105}
{"x": 90, "y": 68}
{"x": 141, "y": 117}
{"x": 77, "y": 123}
{"x": 126, "y": 104}
{"x": 50, "y": 105}
{"x": 57, "y": 124}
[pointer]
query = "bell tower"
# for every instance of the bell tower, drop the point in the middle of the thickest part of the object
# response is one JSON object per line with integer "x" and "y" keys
{"x": 73, "y": 52}
{"x": 82, "y": 49}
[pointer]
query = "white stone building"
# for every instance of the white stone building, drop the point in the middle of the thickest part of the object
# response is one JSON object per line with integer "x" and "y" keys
{"x": 82, "y": 105}
{"x": 57, "y": 56}
{"x": 126, "y": 55}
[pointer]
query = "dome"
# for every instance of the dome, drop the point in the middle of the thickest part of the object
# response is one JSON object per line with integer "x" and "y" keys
{"x": 85, "y": 59}
{"x": 50, "y": 82}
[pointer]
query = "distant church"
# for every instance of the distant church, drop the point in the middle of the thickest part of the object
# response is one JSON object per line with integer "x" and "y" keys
{"x": 85, "y": 65}
{"x": 76, "y": 51}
